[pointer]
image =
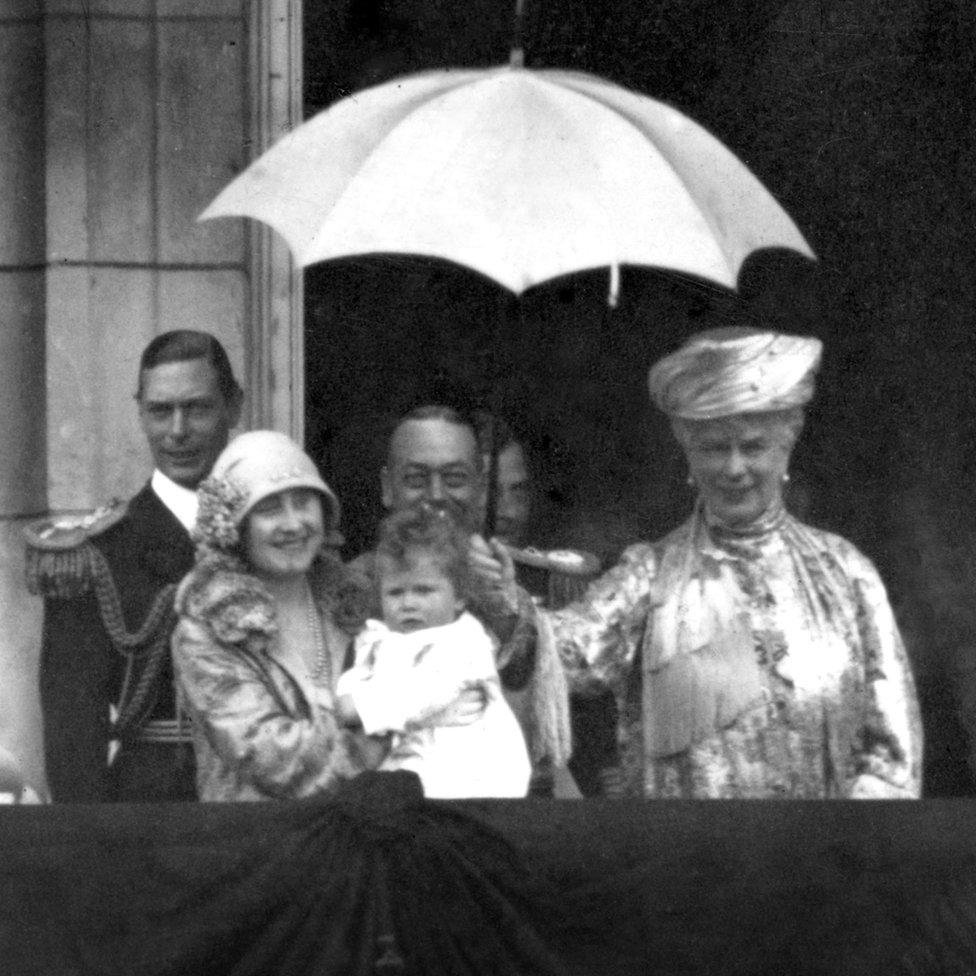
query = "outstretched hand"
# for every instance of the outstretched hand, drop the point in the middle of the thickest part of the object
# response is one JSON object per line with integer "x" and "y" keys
{"x": 867, "y": 787}
{"x": 494, "y": 571}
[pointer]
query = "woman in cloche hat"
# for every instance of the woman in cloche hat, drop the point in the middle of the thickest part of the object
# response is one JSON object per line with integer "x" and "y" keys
{"x": 266, "y": 621}
{"x": 258, "y": 647}
{"x": 753, "y": 656}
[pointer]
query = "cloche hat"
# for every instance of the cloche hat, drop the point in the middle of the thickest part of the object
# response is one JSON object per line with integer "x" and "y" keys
{"x": 249, "y": 469}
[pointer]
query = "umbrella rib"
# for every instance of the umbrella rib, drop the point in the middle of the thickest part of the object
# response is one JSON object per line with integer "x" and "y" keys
{"x": 642, "y": 134}
{"x": 585, "y": 85}
{"x": 458, "y": 80}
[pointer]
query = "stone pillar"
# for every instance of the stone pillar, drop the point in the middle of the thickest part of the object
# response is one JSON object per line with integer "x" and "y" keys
{"x": 23, "y": 468}
{"x": 122, "y": 120}
{"x": 276, "y": 370}
{"x": 145, "y": 123}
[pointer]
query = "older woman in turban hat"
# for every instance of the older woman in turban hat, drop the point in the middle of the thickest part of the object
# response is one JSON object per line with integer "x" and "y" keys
{"x": 752, "y": 656}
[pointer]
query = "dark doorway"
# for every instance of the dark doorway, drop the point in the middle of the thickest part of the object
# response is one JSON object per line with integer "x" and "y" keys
{"x": 855, "y": 121}
{"x": 387, "y": 333}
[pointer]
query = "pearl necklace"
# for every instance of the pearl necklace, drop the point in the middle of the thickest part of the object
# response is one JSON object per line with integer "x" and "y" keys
{"x": 321, "y": 670}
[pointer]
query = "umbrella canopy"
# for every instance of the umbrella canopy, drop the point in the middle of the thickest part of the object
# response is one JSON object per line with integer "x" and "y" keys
{"x": 523, "y": 175}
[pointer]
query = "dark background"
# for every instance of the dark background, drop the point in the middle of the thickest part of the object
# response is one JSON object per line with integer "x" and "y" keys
{"x": 857, "y": 115}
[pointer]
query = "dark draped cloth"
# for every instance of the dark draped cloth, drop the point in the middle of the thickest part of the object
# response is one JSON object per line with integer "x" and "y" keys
{"x": 375, "y": 881}
{"x": 379, "y": 881}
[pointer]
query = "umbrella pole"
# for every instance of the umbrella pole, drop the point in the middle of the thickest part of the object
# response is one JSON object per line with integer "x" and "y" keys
{"x": 516, "y": 57}
{"x": 491, "y": 500}
{"x": 509, "y": 314}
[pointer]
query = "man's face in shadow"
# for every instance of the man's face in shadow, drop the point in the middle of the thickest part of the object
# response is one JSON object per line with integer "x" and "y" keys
{"x": 436, "y": 462}
{"x": 514, "y": 504}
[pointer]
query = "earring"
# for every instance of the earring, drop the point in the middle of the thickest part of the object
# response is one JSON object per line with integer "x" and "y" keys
{"x": 691, "y": 481}
{"x": 786, "y": 478}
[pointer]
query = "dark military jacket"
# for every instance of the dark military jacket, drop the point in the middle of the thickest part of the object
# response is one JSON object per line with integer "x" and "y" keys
{"x": 82, "y": 672}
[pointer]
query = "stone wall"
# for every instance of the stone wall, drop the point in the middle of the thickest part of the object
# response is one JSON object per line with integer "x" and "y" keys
{"x": 144, "y": 125}
{"x": 122, "y": 119}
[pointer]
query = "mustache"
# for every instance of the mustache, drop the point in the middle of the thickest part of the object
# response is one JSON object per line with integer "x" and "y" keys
{"x": 468, "y": 517}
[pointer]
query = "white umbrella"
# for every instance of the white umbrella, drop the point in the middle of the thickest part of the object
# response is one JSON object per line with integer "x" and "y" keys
{"x": 523, "y": 175}
{"x": 520, "y": 174}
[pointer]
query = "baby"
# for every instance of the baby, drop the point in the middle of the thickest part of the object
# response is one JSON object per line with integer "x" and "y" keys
{"x": 421, "y": 656}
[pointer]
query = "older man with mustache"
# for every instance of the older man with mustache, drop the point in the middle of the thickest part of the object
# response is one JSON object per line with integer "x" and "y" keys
{"x": 434, "y": 459}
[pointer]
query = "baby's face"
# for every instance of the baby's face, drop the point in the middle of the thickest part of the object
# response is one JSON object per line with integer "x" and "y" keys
{"x": 417, "y": 596}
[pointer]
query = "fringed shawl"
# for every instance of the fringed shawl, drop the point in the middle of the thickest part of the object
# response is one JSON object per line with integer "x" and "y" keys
{"x": 702, "y": 653}
{"x": 749, "y": 665}
{"x": 772, "y": 666}
{"x": 549, "y": 733}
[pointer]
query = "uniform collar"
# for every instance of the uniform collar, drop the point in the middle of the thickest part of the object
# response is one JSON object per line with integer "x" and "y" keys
{"x": 182, "y": 502}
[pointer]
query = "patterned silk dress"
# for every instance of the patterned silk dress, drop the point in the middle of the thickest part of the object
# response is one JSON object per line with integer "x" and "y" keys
{"x": 753, "y": 665}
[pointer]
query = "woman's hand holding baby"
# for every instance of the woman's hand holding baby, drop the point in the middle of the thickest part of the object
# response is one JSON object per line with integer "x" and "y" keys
{"x": 466, "y": 709}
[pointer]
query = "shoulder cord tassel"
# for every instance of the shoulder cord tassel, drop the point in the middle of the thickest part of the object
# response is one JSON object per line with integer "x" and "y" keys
{"x": 149, "y": 645}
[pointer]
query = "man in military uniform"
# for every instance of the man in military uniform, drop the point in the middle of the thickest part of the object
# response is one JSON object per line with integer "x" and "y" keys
{"x": 111, "y": 727}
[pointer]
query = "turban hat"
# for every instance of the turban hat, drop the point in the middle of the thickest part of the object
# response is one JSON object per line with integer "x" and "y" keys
{"x": 735, "y": 370}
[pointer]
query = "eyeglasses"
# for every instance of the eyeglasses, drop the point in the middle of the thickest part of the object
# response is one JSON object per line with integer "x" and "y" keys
{"x": 418, "y": 477}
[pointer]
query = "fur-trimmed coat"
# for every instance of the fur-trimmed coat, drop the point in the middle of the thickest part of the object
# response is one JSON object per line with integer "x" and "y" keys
{"x": 262, "y": 728}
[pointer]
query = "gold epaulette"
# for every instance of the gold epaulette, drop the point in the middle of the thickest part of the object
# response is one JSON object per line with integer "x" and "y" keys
{"x": 58, "y": 550}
